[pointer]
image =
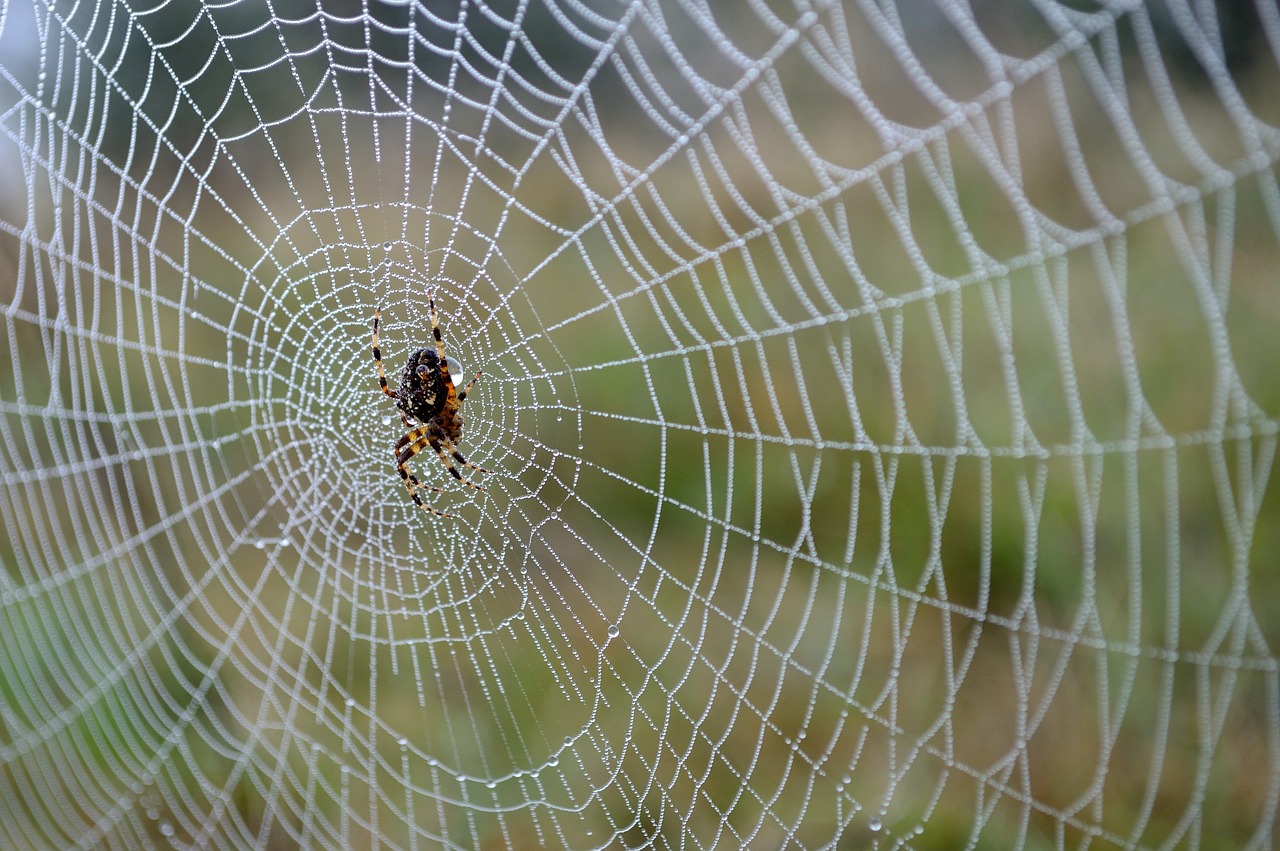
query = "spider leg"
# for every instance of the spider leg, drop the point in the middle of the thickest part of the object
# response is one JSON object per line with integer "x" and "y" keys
{"x": 435, "y": 325}
{"x": 462, "y": 397}
{"x": 437, "y": 512}
{"x": 407, "y": 447}
{"x": 435, "y": 331}
{"x": 411, "y": 481}
{"x": 461, "y": 459}
{"x": 440, "y": 447}
{"x": 377, "y": 359}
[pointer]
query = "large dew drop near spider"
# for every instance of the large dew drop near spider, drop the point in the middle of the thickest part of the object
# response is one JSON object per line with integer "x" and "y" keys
{"x": 427, "y": 395}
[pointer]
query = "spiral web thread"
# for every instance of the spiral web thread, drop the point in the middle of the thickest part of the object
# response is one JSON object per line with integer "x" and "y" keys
{"x": 881, "y": 399}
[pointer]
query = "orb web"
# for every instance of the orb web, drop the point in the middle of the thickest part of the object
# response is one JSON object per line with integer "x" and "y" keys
{"x": 880, "y": 398}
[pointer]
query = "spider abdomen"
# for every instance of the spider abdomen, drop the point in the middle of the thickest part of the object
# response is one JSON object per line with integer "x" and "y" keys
{"x": 423, "y": 391}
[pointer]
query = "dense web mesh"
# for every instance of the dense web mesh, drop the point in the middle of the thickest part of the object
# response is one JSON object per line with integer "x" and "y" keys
{"x": 881, "y": 399}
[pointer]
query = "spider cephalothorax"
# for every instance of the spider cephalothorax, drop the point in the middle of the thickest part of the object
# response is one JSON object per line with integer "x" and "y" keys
{"x": 427, "y": 395}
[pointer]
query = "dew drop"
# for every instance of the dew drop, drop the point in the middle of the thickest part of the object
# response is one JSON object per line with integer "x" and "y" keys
{"x": 153, "y": 813}
{"x": 492, "y": 784}
{"x": 613, "y": 630}
{"x": 166, "y": 829}
{"x": 553, "y": 762}
{"x": 875, "y": 824}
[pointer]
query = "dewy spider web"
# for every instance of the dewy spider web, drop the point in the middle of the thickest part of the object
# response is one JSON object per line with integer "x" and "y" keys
{"x": 881, "y": 397}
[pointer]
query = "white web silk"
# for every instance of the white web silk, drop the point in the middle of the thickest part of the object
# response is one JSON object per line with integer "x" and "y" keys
{"x": 881, "y": 400}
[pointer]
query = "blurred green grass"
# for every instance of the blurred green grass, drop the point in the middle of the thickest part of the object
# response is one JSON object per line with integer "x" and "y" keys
{"x": 856, "y": 619}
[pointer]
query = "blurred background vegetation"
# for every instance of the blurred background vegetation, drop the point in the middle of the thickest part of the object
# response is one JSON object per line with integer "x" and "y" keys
{"x": 933, "y": 510}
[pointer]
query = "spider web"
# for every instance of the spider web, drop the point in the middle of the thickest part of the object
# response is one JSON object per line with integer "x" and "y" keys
{"x": 881, "y": 398}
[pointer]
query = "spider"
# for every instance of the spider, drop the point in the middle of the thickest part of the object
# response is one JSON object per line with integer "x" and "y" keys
{"x": 427, "y": 395}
